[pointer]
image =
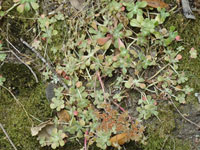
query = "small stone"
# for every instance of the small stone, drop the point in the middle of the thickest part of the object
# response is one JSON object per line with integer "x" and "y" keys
{"x": 50, "y": 91}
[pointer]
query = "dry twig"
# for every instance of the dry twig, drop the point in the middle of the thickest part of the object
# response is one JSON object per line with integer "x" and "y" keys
{"x": 45, "y": 62}
{"x": 22, "y": 60}
{"x": 4, "y": 131}
{"x": 188, "y": 120}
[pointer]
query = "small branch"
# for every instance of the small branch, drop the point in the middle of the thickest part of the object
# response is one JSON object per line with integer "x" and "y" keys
{"x": 45, "y": 62}
{"x": 4, "y": 131}
{"x": 174, "y": 69}
{"x": 11, "y": 8}
{"x": 36, "y": 79}
{"x": 56, "y": 10}
{"x": 158, "y": 72}
{"x": 36, "y": 118}
{"x": 183, "y": 115}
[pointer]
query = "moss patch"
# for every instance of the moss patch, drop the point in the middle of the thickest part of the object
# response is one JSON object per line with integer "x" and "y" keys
{"x": 159, "y": 132}
{"x": 189, "y": 33}
{"x": 13, "y": 117}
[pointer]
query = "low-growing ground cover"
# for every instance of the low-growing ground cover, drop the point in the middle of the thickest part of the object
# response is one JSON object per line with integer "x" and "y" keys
{"x": 120, "y": 69}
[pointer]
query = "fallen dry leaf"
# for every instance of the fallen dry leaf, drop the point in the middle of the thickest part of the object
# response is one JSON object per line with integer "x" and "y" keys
{"x": 118, "y": 139}
{"x": 156, "y": 4}
{"x": 37, "y": 129}
{"x": 63, "y": 116}
{"x": 178, "y": 87}
{"x": 102, "y": 41}
{"x": 45, "y": 130}
{"x": 78, "y": 4}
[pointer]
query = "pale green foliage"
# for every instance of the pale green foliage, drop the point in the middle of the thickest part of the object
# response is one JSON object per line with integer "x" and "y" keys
{"x": 193, "y": 53}
{"x": 181, "y": 98}
{"x": 57, "y": 137}
{"x": 2, "y": 80}
{"x": 47, "y": 74}
{"x": 147, "y": 107}
{"x": 57, "y": 101}
{"x": 26, "y": 5}
{"x": 2, "y": 55}
{"x": 103, "y": 139}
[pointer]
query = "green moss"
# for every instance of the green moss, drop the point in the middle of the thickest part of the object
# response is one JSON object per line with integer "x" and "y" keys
{"x": 13, "y": 117}
{"x": 15, "y": 120}
{"x": 189, "y": 33}
{"x": 159, "y": 132}
{"x": 18, "y": 77}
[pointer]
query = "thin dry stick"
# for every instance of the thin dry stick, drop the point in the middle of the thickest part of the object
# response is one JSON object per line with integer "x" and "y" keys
{"x": 4, "y": 131}
{"x": 45, "y": 62}
{"x": 11, "y": 8}
{"x": 183, "y": 115}
{"x": 158, "y": 72}
{"x": 22, "y": 60}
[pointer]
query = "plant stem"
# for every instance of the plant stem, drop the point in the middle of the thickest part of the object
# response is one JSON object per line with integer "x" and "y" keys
{"x": 158, "y": 72}
{"x": 85, "y": 140}
{"x": 102, "y": 85}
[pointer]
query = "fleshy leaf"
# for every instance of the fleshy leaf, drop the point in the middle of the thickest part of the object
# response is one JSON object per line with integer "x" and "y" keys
{"x": 27, "y": 7}
{"x": 193, "y": 53}
{"x": 20, "y": 8}
{"x": 102, "y": 41}
{"x": 34, "y": 5}
{"x": 135, "y": 23}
